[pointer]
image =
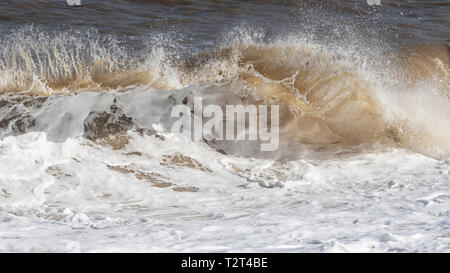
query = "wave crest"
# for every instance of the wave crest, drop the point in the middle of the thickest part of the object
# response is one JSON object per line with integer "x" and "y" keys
{"x": 328, "y": 95}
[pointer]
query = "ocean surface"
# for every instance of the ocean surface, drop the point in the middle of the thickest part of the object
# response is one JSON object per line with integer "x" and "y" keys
{"x": 88, "y": 162}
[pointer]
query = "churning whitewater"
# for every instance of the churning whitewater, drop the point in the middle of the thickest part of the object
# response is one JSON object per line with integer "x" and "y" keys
{"x": 88, "y": 162}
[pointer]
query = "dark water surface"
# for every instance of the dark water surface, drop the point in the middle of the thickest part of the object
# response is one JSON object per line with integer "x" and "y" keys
{"x": 202, "y": 21}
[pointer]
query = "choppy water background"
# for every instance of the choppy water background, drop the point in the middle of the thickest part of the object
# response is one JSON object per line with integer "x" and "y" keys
{"x": 420, "y": 21}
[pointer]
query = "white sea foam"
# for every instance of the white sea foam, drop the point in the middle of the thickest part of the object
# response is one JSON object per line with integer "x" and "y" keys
{"x": 63, "y": 197}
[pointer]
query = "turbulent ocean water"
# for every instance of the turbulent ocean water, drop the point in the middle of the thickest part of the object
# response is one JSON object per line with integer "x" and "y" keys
{"x": 88, "y": 162}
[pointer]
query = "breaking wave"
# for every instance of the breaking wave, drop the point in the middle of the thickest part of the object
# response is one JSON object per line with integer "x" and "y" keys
{"x": 330, "y": 95}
